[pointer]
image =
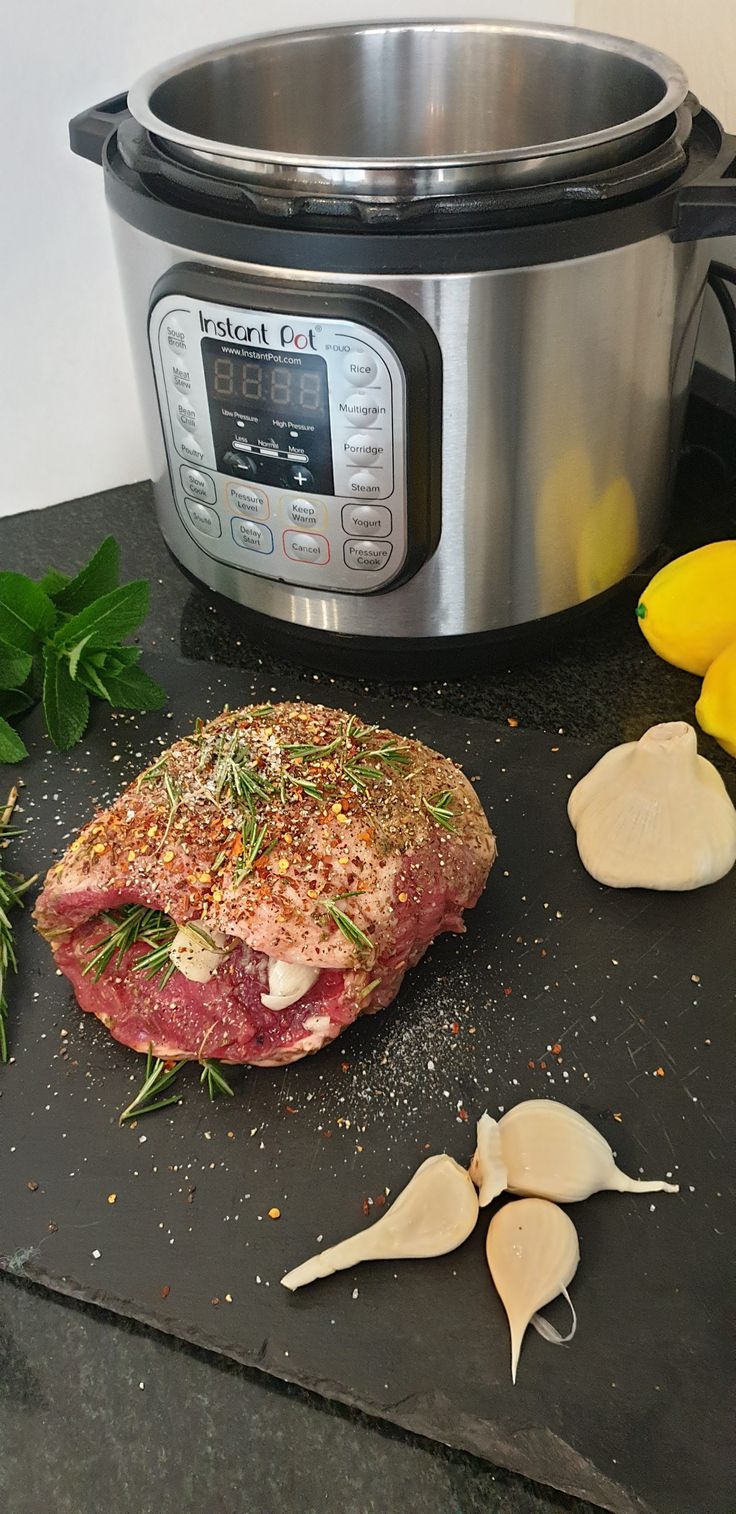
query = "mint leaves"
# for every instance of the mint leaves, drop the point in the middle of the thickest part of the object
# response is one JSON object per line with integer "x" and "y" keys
{"x": 61, "y": 642}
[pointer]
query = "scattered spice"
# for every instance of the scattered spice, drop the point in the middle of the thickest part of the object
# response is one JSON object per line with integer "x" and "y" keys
{"x": 31, "y": 1186}
{"x": 112, "y": 1198}
{"x": 274, "y": 1213}
{"x": 165, "y": 1291}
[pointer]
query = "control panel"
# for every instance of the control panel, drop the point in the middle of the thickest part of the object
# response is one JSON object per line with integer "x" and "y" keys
{"x": 286, "y": 436}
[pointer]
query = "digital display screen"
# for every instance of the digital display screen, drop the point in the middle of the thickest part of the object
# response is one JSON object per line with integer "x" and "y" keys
{"x": 271, "y": 386}
{"x": 270, "y": 415}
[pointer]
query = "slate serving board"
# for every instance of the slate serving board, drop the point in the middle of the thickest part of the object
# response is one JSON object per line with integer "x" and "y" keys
{"x": 168, "y": 1222}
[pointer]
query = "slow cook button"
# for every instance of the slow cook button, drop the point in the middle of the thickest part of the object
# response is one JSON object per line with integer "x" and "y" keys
{"x": 360, "y": 367}
{"x": 364, "y": 447}
{"x": 366, "y": 520}
{"x": 187, "y": 414}
{"x": 248, "y": 501}
{"x": 305, "y": 513}
{"x": 308, "y": 549}
{"x": 363, "y": 483}
{"x": 367, "y": 556}
{"x": 188, "y": 446}
{"x": 362, "y": 408}
{"x": 251, "y": 536}
{"x": 199, "y": 485}
{"x": 206, "y": 520}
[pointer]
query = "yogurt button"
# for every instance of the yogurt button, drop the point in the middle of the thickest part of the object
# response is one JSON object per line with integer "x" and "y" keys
{"x": 366, "y": 520}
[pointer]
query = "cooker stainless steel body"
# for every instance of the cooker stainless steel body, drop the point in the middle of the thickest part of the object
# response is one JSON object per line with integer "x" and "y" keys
{"x": 555, "y": 397}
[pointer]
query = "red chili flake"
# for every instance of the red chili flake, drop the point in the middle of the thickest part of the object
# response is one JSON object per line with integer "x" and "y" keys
{"x": 426, "y": 1145}
{"x": 531, "y": 1066}
{"x": 345, "y": 1066}
{"x": 291, "y": 1109}
{"x": 462, "y": 1113}
{"x": 556, "y": 1049}
{"x": 165, "y": 1291}
{"x": 543, "y": 1066}
{"x": 455, "y": 1028}
{"x": 365, "y": 1206}
{"x": 380, "y": 1200}
{"x": 327, "y": 1132}
{"x": 512, "y": 721}
{"x": 31, "y": 1186}
{"x": 658, "y": 1073}
{"x": 508, "y": 992}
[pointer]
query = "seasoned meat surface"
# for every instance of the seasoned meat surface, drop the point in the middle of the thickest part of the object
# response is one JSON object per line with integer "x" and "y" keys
{"x": 298, "y": 833}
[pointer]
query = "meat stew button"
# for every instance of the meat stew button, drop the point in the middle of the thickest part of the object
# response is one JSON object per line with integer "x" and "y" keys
{"x": 301, "y": 547}
{"x": 367, "y": 556}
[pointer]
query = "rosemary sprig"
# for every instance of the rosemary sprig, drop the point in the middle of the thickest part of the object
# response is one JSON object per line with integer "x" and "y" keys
{"x": 308, "y": 749}
{"x": 134, "y": 922}
{"x": 440, "y": 808}
{"x": 234, "y": 773}
{"x": 361, "y": 768}
{"x": 216, "y": 1083}
{"x": 158, "y": 1078}
{"x": 350, "y": 930}
{"x": 308, "y": 786}
{"x": 12, "y": 889}
{"x": 172, "y": 789}
{"x": 257, "y": 712}
{"x": 153, "y": 773}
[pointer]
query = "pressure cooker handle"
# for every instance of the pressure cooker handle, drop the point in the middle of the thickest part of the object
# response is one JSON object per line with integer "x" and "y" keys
{"x": 89, "y": 131}
{"x": 707, "y": 206}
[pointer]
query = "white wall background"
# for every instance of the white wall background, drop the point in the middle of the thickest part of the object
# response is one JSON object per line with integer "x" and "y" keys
{"x": 68, "y": 406}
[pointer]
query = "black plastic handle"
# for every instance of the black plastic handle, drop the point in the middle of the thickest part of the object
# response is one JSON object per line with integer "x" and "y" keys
{"x": 89, "y": 131}
{"x": 707, "y": 207}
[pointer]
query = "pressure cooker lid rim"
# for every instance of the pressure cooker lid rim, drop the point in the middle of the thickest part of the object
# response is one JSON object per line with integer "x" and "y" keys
{"x": 183, "y": 142}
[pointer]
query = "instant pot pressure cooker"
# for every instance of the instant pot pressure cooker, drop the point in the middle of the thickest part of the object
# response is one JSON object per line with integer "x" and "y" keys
{"x": 414, "y": 309}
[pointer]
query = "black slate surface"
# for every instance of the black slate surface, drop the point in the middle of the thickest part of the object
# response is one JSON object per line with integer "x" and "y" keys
{"x": 426, "y": 1348}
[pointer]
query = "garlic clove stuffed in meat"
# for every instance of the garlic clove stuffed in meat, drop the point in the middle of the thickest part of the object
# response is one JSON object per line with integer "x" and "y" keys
{"x": 198, "y": 951}
{"x": 434, "y": 1214}
{"x": 532, "y": 1252}
{"x": 287, "y": 982}
{"x": 551, "y": 1152}
{"x": 654, "y": 814}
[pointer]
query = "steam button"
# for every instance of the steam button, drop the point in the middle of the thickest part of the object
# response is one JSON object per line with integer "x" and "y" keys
{"x": 365, "y": 483}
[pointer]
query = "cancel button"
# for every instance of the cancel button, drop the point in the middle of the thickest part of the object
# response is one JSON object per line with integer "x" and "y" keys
{"x": 301, "y": 547}
{"x": 367, "y": 555}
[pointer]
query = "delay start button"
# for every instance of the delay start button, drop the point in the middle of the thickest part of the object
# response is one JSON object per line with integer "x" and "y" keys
{"x": 367, "y": 556}
{"x": 307, "y": 549}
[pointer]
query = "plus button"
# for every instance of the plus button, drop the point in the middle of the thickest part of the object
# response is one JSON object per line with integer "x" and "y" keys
{"x": 300, "y": 476}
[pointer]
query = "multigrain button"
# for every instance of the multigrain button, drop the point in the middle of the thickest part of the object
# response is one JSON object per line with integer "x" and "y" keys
{"x": 206, "y": 520}
{"x": 366, "y": 520}
{"x": 362, "y": 408}
{"x": 364, "y": 447}
{"x": 186, "y": 413}
{"x": 199, "y": 485}
{"x": 363, "y": 482}
{"x": 305, "y": 513}
{"x": 255, "y": 538}
{"x": 307, "y": 549}
{"x": 248, "y": 501}
{"x": 368, "y": 556}
{"x": 188, "y": 446}
{"x": 360, "y": 367}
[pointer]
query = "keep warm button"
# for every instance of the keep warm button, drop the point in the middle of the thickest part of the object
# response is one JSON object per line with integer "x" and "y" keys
{"x": 367, "y": 555}
{"x": 301, "y": 547}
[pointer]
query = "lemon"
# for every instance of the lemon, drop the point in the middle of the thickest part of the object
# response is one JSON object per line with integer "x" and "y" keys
{"x": 716, "y": 708}
{"x": 688, "y": 611}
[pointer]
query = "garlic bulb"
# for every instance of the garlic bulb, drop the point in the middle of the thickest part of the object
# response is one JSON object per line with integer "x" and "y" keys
{"x": 434, "y": 1214}
{"x": 544, "y": 1149}
{"x": 533, "y": 1253}
{"x": 653, "y": 814}
{"x": 197, "y": 952}
{"x": 287, "y": 981}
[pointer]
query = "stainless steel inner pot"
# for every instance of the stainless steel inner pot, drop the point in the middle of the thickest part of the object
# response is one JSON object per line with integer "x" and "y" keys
{"x": 410, "y": 108}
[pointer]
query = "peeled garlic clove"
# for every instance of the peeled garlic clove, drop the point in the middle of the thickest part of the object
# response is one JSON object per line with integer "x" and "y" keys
{"x": 488, "y": 1169}
{"x": 550, "y": 1151}
{"x": 287, "y": 982}
{"x": 197, "y": 951}
{"x": 653, "y": 814}
{"x": 434, "y": 1214}
{"x": 533, "y": 1253}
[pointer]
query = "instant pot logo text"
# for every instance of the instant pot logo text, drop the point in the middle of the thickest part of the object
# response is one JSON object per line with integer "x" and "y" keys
{"x": 286, "y": 336}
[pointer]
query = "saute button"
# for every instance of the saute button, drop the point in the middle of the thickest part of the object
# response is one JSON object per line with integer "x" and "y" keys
{"x": 199, "y": 485}
{"x": 189, "y": 447}
{"x": 187, "y": 414}
{"x": 255, "y": 538}
{"x": 360, "y": 367}
{"x": 305, "y": 513}
{"x": 249, "y": 501}
{"x": 367, "y": 555}
{"x": 362, "y": 408}
{"x": 302, "y": 548}
{"x": 206, "y": 520}
{"x": 366, "y": 520}
{"x": 364, "y": 447}
{"x": 364, "y": 483}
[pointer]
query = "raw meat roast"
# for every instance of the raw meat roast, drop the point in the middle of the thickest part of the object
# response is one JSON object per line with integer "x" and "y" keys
{"x": 269, "y": 878}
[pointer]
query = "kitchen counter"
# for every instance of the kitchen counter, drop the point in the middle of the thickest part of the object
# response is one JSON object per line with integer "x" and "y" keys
{"x": 98, "y": 1414}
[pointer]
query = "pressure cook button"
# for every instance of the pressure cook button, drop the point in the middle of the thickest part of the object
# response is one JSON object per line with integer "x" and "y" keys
{"x": 366, "y": 520}
{"x": 362, "y": 408}
{"x": 187, "y": 414}
{"x": 199, "y": 485}
{"x": 364, "y": 447}
{"x": 309, "y": 549}
{"x": 248, "y": 501}
{"x": 181, "y": 378}
{"x": 175, "y": 334}
{"x": 364, "y": 483}
{"x": 305, "y": 513}
{"x": 367, "y": 556}
{"x": 255, "y": 538}
{"x": 360, "y": 367}
{"x": 206, "y": 520}
{"x": 189, "y": 447}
